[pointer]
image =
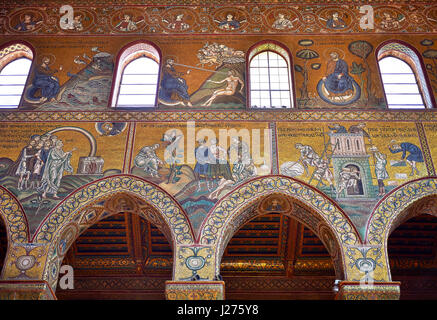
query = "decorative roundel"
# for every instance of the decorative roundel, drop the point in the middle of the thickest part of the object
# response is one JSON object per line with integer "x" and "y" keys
{"x": 27, "y": 21}
{"x": 68, "y": 235}
{"x": 431, "y": 16}
{"x": 195, "y": 262}
{"x": 282, "y": 19}
{"x": 25, "y": 262}
{"x": 390, "y": 19}
{"x": 128, "y": 20}
{"x": 335, "y": 19}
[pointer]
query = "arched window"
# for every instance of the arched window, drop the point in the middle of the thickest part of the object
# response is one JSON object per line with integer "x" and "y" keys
{"x": 270, "y": 77}
{"x": 402, "y": 76}
{"x": 136, "y": 81}
{"x": 15, "y": 63}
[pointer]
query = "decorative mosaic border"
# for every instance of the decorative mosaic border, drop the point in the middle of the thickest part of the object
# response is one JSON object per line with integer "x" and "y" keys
{"x": 157, "y": 17}
{"x": 14, "y": 217}
{"x": 230, "y": 206}
{"x": 175, "y": 116}
{"x": 394, "y": 204}
{"x": 196, "y": 2}
{"x": 199, "y": 290}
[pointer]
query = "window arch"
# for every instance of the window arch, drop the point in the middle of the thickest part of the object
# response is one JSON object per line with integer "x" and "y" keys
{"x": 270, "y": 81}
{"x": 403, "y": 79}
{"x": 136, "y": 77}
{"x": 15, "y": 63}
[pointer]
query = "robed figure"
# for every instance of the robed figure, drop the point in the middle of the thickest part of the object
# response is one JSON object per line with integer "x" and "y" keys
{"x": 45, "y": 80}
{"x": 58, "y": 161}
{"x": 337, "y": 79}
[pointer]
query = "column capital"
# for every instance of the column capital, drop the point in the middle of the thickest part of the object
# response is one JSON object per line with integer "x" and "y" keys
{"x": 355, "y": 290}
{"x": 195, "y": 290}
{"x": 26, "y": 290}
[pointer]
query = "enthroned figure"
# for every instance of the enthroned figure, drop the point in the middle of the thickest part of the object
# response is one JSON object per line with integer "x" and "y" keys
{"x": 337, "y": 81}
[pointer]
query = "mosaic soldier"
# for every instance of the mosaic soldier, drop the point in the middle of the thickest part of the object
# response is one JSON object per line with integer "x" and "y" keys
{"x": 307, "y": 156}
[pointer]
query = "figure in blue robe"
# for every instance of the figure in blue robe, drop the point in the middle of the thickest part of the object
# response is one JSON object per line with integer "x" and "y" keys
{"x": 173, "y": 87}
{"x": 415, "y": 154}
{"x": 335, "y": 22}
{"x": 230, "y": 23}
{"x": 45, "y": 81}
{"x": 338, "y": 80}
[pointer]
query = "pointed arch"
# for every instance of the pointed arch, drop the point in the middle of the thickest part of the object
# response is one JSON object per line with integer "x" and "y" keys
{"x": 322, "y": 215}
{"x": 270, "y": 75}
{"x": 14, "y": 217}
{"x": 104, "y": 197}
{"x": 16, "y": 58}
{"x": 70, "y": 208}
{"x": 391, "y": 207}
{"x": 406, "y": 85}
{"x": 138, "y": 55}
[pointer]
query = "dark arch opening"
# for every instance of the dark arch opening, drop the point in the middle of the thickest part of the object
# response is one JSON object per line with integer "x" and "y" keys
{"x": 412, "y": 252}
{"x": 123, "y": 256}
{"x": 3, "y": 244}
{"x": 274, "y": 256}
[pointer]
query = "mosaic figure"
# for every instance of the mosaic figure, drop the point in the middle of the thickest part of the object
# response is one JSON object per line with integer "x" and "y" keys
{"x": 58, "y": 161}
{"x": 380, "y": 169}
{"x": 174, "y": 88}
{"x": 45, "y": 82}
{"x": 148, "y": 160}
{"x": 335, "y": 22}
{"x": 230, "y": 23}
{"x": 282, "y": 23}
{"x": 232, "y": 82}
{"x": 27, "y": 24}
{"x": 389, "y": 22}
{"x": 127, "y": 24}
{"x": 177, "y": 24}
{"x": 415, "y": 154}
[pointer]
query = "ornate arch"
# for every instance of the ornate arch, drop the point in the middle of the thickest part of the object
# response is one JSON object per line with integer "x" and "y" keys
{"x": 72, "y": 206}
{"x": 390, "y": 208}
{"x": 97, "y": 200}
{"x": 313, "y": 208}
{"x": 14, "y": 217}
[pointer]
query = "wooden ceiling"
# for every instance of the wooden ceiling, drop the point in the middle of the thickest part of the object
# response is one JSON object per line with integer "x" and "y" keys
{"x": 272, "y": 256}
{"x": 125, "y": 250}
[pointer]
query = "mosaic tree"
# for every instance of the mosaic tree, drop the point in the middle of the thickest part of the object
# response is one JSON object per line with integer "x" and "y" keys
{"x": 363, "y": 49}
{"x": 432, "y": 69}
{"x": 305, "y": 54}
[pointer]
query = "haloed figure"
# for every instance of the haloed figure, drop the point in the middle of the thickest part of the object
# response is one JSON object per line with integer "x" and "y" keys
{"x": 58, "y": 161}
